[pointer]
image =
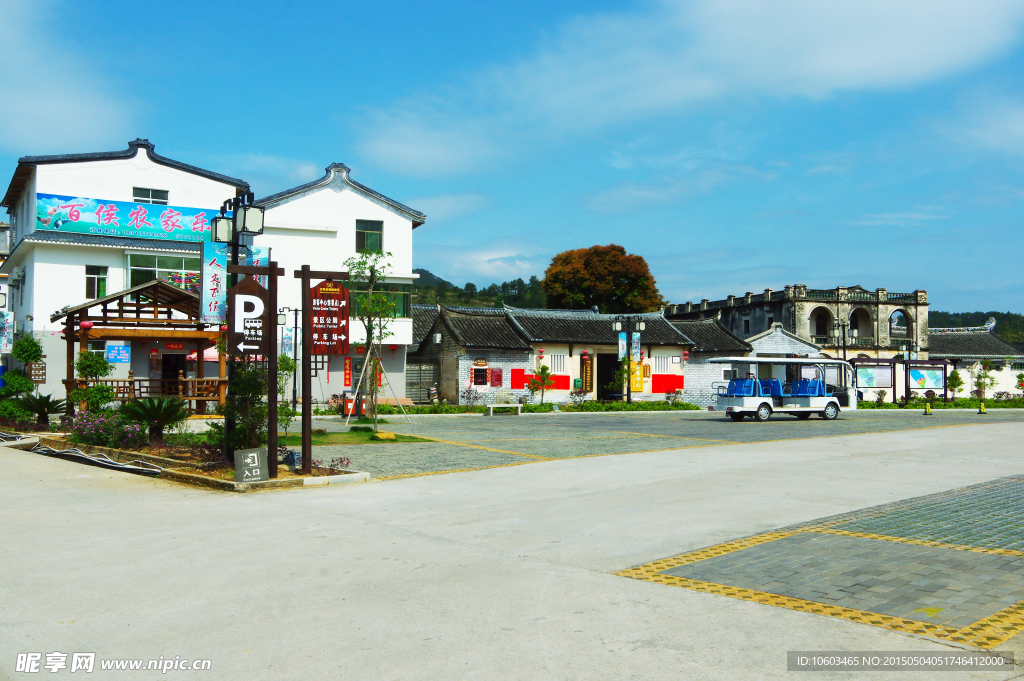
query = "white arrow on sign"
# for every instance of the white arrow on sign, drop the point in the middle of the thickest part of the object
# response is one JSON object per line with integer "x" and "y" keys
{"x": 243, "y": 347}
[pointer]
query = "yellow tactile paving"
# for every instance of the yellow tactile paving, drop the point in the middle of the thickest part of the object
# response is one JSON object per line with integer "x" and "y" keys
{"x": 985, "y": 633}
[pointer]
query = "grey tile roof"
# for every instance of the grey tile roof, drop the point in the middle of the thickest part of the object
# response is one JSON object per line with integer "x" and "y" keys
{"x": 587, "y": 326}
{"x": 423, "y": 318}
{"x": 954, "y": 345}
{"x": 711, "y": 336}
{"x": 44, "y": 236}
{"x": 25, "y": 162}
{"x": 483, "y": 329}
{"x": 338, "y": 174}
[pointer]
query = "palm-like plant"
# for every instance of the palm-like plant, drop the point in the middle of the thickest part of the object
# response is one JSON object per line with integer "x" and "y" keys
{"x": 157, "y": 413}
{"x": 42, "y": 406}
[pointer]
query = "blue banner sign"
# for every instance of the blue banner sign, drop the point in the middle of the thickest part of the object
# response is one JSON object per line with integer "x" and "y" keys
{"x": 119, "y": 354}
{"x": 636, "y": 347}
{"x": 58, "y": 213}
{"x": 213, "y": 299}
{"x": 622, "y": 345}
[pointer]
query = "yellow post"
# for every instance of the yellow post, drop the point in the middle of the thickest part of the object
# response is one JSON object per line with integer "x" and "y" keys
{"x": 981, "y": 408}
{"x": 927, "y": 408}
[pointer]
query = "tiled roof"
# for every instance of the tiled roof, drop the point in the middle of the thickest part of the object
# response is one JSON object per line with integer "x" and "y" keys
{"x": 423, "y": 318}
{"x": 46, "y": 236}
{"x": 953, "y": 345}
{"x": 711, "y": 336}
{"x": 587, "y": 326}
{"x": 483, "y": 329}
{"x": 25, "y": 164}
{"x": 339, "y": 173}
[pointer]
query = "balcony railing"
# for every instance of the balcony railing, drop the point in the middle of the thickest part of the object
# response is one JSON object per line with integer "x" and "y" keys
{"x": 196, "y": 391}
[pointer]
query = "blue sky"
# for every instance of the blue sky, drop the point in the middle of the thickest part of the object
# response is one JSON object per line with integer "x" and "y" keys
{"x": 735, "y": 145}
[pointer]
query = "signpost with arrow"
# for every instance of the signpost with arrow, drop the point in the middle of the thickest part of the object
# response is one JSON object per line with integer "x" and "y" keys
{"x": 252, "y": 331}
{"x": 326, "y": 300}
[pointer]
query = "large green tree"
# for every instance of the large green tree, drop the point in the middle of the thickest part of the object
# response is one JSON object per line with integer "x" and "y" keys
{"x": 605, "y": 276}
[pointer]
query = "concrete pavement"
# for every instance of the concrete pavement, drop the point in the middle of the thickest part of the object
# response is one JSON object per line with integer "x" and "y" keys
{"x": 502, "y": 573}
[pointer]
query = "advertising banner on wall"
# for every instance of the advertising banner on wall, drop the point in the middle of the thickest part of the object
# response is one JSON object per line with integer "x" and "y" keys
{"x": 214, "y": 294}
{"x": 926, "y": 379}
{"x": 6, "y": 331}
{"x": 80, "y": 215}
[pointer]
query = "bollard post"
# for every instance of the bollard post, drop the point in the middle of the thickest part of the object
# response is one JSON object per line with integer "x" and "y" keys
{"x": 927, "y": 408}
{"x": 981, "y": 408}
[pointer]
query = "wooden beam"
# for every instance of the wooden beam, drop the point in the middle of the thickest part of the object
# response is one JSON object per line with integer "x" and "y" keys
{"x": 318, "y": 274}
{"x": 101, "y": 333}
{"x": 252, "y": 269}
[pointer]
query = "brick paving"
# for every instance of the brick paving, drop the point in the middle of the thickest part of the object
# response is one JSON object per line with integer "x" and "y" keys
{"x": 943, "y": 586}
{"x": 953, "y": 559}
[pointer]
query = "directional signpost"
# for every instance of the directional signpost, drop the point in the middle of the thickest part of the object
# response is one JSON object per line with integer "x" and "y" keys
{"x": 333, "y": 293}
{"x": 252, "y": 331}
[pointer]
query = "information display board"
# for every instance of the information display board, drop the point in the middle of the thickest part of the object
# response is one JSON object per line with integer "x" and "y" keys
{"x": 330, "y": 319}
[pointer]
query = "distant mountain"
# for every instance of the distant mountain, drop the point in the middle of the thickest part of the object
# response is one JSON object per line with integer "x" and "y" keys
{"x": 429, "y": 279}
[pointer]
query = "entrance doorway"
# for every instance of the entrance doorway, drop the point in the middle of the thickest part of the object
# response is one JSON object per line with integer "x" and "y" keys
{"x": 170, "y": 365}
{"x": 607, "y": 365}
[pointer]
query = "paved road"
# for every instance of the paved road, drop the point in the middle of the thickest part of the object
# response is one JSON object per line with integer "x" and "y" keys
{"x": 476, "y": 441}
{"x": 506, "y": 573}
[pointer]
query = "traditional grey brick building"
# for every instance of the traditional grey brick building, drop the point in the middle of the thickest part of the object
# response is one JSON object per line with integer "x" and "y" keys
{"x": 877, "y": 323}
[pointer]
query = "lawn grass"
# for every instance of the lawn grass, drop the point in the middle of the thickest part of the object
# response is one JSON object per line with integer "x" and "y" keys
{"x": 350, "y": 438}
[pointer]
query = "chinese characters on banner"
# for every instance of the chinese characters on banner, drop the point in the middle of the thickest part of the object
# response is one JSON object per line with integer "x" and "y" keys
{"x": 636, "y": 347}
{"x": 636, "y": 376}
{"x": 622, "y": 345}
{"x": 56, "y": 212}
{"x": 6, "y": 331}
{"x": 213, "y": 296}
{"x": 330, "y": 319}
{"x": 348, "y": 372}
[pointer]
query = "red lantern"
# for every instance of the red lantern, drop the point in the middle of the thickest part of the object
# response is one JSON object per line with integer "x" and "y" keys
{"x": 85, "y": 325}
{"x": 223, "y": 327}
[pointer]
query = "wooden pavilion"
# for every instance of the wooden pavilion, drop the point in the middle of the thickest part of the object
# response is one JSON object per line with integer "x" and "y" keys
{"x": 154, "y": 311}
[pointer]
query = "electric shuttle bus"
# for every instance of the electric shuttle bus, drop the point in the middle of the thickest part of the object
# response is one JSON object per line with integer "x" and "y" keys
{"x": 762, "y": 386}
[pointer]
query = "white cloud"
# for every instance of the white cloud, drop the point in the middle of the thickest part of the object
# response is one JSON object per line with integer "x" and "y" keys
{"x": 50, "y": 100}
{"x": 446, "y": 207}
{"x": 265, "y": 173}
{"x": 702, "y": 177}
{"x": 611, "y": 69}
{"x": 989, "y": 123}
{"x": 913, "y": 217}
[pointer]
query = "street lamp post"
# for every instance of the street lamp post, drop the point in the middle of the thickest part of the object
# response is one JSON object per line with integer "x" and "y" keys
{"x": 295, "y": 350}
{"x": 629, "y": 321}
{"x": 246, "y": 222}
{"x": 840, "y": 328}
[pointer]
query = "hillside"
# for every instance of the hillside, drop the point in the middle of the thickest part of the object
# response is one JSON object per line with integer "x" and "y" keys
{"x": 430, "y": 289}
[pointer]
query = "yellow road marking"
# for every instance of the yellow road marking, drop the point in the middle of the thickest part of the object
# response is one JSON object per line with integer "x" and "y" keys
{"x": 491, "y": 449}
{"x": 985, "y": 633}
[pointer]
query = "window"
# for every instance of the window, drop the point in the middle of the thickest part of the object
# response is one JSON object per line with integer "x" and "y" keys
{"x": 95, "y": 281}
{"x": 142, "y": 195}
{"x": 479, "y": 376}
{"x": 369, "y": 236}
{"x": 557, "y": 363}
{"x": 174, "y": 269}
{"x": 728, "y": 374}
{"x": 399, "y": 294}
{"x": 99, "y": 347}
{"x": 662, "y": 365}
{"x": 746, "y": 326}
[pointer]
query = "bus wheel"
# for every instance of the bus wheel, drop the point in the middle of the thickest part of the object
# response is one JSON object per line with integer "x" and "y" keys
{"x": 830, "y": 413}
{"x": 736, "y": 416}
{"x": 764, "y": 412}
{"x": 804, "y": 415}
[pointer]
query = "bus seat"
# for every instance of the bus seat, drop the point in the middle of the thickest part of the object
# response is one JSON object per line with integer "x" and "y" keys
{"x": 748, "y": 387}
{"x": 800, "y": 388}
{"x": 771, "y": 387}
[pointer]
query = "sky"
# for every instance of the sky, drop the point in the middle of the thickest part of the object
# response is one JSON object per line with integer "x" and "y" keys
{"x": 735, "y": 145}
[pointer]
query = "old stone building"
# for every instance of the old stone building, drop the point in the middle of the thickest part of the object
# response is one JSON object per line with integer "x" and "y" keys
{"x": 871, "y": 324}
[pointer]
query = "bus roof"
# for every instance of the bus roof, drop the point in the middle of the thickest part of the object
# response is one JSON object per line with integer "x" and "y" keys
{"x": 778, "y": 360}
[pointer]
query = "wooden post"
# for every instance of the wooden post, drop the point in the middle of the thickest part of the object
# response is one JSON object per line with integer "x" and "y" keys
{"x": 272, "y": 370}
{"x": 222, "y": 374}
{"x": 307, "y": 372}
{"x": 69, "y": 337}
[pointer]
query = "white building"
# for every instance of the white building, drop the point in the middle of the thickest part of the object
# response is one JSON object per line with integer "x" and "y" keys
{"x": 88, "y": 225}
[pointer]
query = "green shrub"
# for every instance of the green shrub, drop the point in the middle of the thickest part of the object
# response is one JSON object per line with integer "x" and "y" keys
{"x": 42, "y": 406}
{"x": 16, "y": 382}
{"x": 156, "y": 413}
{"x": 10, "y": 409}
{"x": 107, "y": 429}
